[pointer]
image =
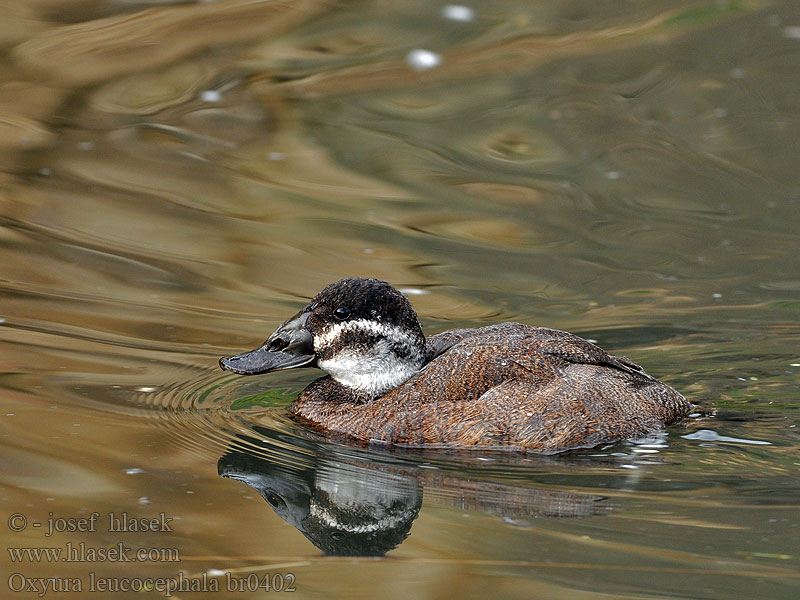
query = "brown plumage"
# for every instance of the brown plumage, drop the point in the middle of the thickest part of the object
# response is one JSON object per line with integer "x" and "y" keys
{"x": 509, "y": 385}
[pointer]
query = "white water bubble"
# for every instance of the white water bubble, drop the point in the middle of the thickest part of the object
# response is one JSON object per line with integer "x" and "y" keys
{"x": 210, "y": 95}
{"x": 792, "y": 32}
{"x": 422, "y": 60}
{"x": 458, "y": 12}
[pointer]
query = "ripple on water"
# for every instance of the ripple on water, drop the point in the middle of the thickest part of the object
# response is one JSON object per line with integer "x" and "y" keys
{"x": 201, "y": 411}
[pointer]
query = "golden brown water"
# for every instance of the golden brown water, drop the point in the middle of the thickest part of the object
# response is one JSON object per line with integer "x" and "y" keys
{"x": 176, "y": 178}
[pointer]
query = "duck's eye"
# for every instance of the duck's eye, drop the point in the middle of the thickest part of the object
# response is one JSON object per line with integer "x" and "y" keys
{"x": 341, "y": 313}
{"x": 275, "y": 500}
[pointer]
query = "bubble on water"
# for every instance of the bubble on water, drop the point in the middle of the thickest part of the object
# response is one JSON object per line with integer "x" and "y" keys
{"x": 422, "y": 60}
{"x": 210, "y": 96}
{"x": 792, "y": 32}
{"x": 457, "y": 12}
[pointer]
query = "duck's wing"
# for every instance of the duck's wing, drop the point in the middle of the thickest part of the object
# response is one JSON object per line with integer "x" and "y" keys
{"x": 573, "y": 349}
{"x": 441, "y": 342}
{"x": 520, "y": 343}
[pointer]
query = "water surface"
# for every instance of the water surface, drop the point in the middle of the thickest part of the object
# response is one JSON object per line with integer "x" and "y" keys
{"x": 177, "y": 178}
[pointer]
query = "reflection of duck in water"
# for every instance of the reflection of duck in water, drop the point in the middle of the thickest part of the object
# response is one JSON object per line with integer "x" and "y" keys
{"x": 343, "y": 511}
{"x": 508, "y": 385}
{"x": 355, "y": 507}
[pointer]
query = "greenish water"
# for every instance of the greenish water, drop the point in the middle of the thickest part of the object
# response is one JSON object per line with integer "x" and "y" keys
{"x": 177, "y": 178}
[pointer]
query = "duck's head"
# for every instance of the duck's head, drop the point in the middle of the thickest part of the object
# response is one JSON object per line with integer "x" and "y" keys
{"x": 362, "y": 332}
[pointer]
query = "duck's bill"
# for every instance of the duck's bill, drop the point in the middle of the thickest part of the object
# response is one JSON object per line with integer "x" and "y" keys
{"x": 290, "y": 346}
{"x": 262, "y": 360}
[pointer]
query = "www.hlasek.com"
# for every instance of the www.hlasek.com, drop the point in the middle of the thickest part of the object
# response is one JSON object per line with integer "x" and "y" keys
{"x": 82, "y": 553}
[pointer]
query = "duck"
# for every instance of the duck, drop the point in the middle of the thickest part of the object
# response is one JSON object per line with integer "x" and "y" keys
{"x": 506, "y": 386}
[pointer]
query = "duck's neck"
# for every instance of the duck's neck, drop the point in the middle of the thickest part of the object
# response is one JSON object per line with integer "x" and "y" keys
{"x": 374, "y": 373}
{"x": 372, "y": 365}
